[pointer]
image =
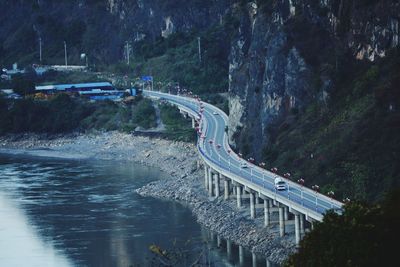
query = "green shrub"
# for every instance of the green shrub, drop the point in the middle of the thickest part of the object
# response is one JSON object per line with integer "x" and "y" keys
{"x": 144, "y": 114}
{"x": 177, "y": 127}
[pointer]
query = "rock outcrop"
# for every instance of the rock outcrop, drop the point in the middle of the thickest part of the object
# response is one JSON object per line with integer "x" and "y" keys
{"x": 283, "y": 53}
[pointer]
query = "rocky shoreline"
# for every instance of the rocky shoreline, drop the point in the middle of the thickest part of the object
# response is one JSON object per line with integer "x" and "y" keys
{"x": 185, "y": 183}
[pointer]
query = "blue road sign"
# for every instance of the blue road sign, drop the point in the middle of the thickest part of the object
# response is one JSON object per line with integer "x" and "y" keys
{"x": 147, "y": 78}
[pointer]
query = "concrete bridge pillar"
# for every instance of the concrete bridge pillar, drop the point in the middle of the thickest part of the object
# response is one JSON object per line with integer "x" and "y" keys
{"x": 216, "y": 180}
{"x": 239, "y": 196}
{"x": 286, "y": 209}
{"x": 218, "y": 241}
{"x": 257, "y": 199}
{"x": 206, "y": 176}
{"x": 301, "y": 224}
{"x": 241, "y": 256}
{"x": 297, "y": 228}
{"x": 226, "y": 189}
{"x": 267, "y": 263}
{"x": 210, "y": 182}
{"x": 232, "y": 187}
{"x": 252, "y": 205}
{"x": 281, "y": 221}
{"x": 254, "y": 259}
{"x": 229, "y": 248}
{"x": 266, "y": 212}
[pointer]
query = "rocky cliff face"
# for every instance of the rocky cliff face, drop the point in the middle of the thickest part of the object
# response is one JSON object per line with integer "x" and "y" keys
{"x": 284, "y": 54}
{"x": 99, "y": 26}
{"x": 159, "y": 18}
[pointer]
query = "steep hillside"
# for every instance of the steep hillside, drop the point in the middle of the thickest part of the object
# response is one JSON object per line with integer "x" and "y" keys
{"x": 314, "y": 91}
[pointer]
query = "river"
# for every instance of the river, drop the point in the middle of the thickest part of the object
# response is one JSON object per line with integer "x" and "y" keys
{"x": 86, "y": 213}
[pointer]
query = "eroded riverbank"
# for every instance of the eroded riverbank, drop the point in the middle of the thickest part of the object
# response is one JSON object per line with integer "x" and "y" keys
{"x": 180, "y": 161}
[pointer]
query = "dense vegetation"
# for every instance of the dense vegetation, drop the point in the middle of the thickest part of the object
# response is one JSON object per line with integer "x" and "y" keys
{"x": 63, "y": 114}
{"x": 350, "y": 143}
{"x": 175, "y": 61}
{"x": 177, "y": 127}
{"x": 365, "y": 235}
{"x": 110, "y": 116}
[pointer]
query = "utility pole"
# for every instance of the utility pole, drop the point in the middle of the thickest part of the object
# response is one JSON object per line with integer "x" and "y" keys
{"x": 40, "y": 49}
{"x": 199, "y": 44}
{"x": 65, "y": 52}
{"x": 127, "y": 52}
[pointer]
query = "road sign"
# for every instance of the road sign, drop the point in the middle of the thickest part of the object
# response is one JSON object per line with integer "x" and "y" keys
{"x": 147, "y": 78}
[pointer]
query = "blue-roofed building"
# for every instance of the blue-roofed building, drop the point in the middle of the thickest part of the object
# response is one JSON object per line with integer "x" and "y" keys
{"x": 77, "y": 87}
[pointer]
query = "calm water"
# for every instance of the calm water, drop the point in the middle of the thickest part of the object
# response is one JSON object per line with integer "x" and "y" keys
{"x": 70, "y": 213}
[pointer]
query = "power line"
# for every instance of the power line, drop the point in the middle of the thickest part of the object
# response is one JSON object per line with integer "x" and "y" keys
{"x": 65, "y": 52}
{"x": 40, "y": 49}
{"x": 127, "y": 52}
{"x": 199, "y": 44}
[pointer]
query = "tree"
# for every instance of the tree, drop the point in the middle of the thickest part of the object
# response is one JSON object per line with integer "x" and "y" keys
{"x": 364, "y": 235}
{"x": 24, "y": 84}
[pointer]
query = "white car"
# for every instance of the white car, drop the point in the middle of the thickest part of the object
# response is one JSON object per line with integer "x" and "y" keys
{"x": 215, "y": 113}
{"x": 280, "y": 185}
{"x": 243, "y": 165}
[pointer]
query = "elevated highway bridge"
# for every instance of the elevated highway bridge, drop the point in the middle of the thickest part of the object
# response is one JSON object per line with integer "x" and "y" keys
{"x": 228, "y": 174}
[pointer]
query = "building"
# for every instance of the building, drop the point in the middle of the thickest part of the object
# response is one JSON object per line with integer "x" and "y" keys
{"x": 68, "y": 68}
{"x": 97, "y": 94}
{"x": 9, "y": 93}
{"x": 74, "y": 88}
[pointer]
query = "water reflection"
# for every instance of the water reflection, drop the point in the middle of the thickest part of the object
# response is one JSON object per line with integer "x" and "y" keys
{"x": 70, "y": 213}
{"x": 87, "y": 212}
{"x": 19, "y": 243}
{"x": 224, "y": 252}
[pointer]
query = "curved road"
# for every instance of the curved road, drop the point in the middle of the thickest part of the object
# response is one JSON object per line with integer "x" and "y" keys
{"x": 221, "y": 158}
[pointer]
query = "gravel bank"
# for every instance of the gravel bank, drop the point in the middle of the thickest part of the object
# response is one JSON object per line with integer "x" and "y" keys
{"x": 181, "y": 162}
